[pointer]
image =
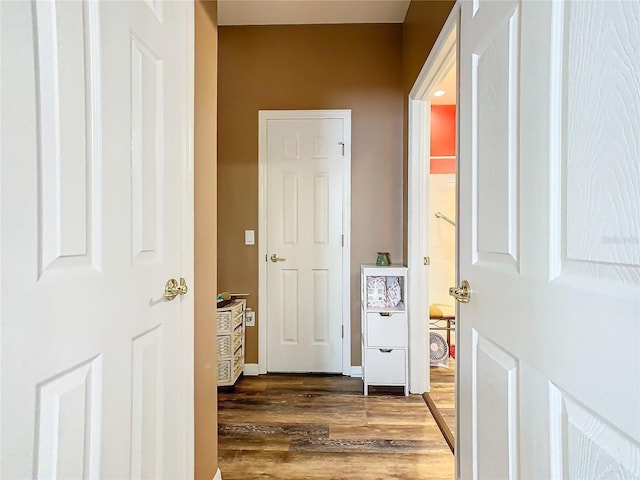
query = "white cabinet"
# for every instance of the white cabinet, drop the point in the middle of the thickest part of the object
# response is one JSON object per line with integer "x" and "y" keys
{"x": 230, "y": 328}
{"x": 384, "y": 326}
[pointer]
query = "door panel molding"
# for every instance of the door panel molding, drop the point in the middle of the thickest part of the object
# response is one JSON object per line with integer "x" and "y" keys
{"x": 69, "y": 413}
{"x": 496, "y": 435}
{"x": 584, "y": 173}
{"x": 600, "y": 449}
{"x": 495, "y": 94}
{"x": 69, "y": 213}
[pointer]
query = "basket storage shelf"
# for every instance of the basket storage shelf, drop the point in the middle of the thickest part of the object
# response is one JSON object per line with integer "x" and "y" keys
{"x": 230, "y": 323}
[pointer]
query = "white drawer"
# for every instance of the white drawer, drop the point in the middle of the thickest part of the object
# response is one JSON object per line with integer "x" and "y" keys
{"x": 387, "y": 331}
{"x": 385, "y": 367}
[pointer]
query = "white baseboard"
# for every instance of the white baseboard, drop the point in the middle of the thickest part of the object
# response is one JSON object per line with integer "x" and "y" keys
{"x": 218, "y": 475}
{"x": 252, "y": 369}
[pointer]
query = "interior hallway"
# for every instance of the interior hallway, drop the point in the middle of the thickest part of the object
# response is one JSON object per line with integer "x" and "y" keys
{"x": 323, "y": 427}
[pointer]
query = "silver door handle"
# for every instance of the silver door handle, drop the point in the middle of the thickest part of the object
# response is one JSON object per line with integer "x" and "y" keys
{"x": 276, "y": 258}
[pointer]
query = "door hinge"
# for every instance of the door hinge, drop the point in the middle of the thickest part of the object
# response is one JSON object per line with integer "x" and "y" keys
{"x": 342, "y": 241}
{"x": 342, "y": 145}
{"x": 427, "y": 260}
{"x": 342, "y": 333}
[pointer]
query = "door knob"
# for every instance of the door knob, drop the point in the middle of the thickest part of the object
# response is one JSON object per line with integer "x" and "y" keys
{"x": 172, "y": 288}
{"x": 462, "y": 293}
{"x": 276, "y": 258}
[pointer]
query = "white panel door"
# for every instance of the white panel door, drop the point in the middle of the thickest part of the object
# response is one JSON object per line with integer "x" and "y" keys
{"x": 96, "y": 116}
{"x": 304, "y": 244}
{"x": 549, "y": 378}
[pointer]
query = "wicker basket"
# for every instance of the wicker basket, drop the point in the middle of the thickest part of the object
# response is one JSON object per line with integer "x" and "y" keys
{"x": 238, "y": 370}
{"x": 230, "y": 317}
{"x": 226, "y": 346}
{"x": 224, "y": 322}
{"x": 224, "y": 372}
{"x": 237, "y": 340}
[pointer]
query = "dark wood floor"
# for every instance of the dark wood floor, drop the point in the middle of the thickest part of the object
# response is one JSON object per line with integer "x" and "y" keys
{"x": 441, "y": 401}
{"x": 443, "y": 392}
{"x": 323, "y": 427}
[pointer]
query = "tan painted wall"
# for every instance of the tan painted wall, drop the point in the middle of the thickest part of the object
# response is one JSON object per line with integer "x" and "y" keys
{"x": 354, "y": 67}
{"x": 421, "y": 28}
{"x": 206, "y": 71}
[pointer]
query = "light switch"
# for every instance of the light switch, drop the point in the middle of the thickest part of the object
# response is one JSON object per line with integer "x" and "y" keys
{"x": 249, "y": 237}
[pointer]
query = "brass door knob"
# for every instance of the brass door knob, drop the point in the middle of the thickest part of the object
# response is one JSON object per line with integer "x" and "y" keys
{"x": 462, "y": 293}
{"x": 276, "y": 258}
{"x": 172, "y": 288}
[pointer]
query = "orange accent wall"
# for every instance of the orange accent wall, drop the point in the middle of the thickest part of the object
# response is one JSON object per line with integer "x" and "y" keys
{"x": 443, "y": 165}
{"x": 443, "y": 138}
{"x": 443, "y": 130}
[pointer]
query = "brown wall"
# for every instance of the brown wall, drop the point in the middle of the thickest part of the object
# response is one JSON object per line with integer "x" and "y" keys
{"x": 206, "y": 71}
{"x": 421, "y": 28}
{"x": 355, "y": 67}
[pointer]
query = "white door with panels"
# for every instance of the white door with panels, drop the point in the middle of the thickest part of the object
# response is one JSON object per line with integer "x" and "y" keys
{"x": 549, "y": 382}
{"x": 97, "y": 366}
{"x": 304, "y": 243}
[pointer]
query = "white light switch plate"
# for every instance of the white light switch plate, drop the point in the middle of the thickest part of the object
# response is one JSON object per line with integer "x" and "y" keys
{"x": 249, "y": 237}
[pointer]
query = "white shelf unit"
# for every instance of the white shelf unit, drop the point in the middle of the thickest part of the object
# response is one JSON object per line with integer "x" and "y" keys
{"x": 230, "y": 322}
{"x": 385, "y": 339}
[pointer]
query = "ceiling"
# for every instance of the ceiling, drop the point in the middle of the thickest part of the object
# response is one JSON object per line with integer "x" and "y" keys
{"x": 288, "y": 12}
{"x": 449, "y": 87}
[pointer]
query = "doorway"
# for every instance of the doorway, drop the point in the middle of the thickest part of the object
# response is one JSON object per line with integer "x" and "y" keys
{"x": 442, "y": 254}
{"x": 432, "y": 227}
{"x": 304, "y": 188}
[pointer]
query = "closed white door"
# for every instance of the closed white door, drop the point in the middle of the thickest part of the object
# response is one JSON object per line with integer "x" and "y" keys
{"x": 96, "y": 365}
{"x": 304, "y": 244}
{"x": 549, "y": 378}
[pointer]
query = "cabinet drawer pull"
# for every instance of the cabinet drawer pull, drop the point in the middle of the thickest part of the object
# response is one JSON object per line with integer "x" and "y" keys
{"x": 386, "y": 350}
{"x": 385, "y": 314}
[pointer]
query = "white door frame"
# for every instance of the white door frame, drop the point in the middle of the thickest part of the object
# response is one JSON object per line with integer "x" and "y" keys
{"x": 436, "y": 67}
{"x": 263, "y": 117}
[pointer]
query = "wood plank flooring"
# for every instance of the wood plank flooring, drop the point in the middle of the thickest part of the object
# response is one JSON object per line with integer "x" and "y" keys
{"x": 322, "y": 427}
{"x": 443, "y": 392}
{"x": 441, "y": 401}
